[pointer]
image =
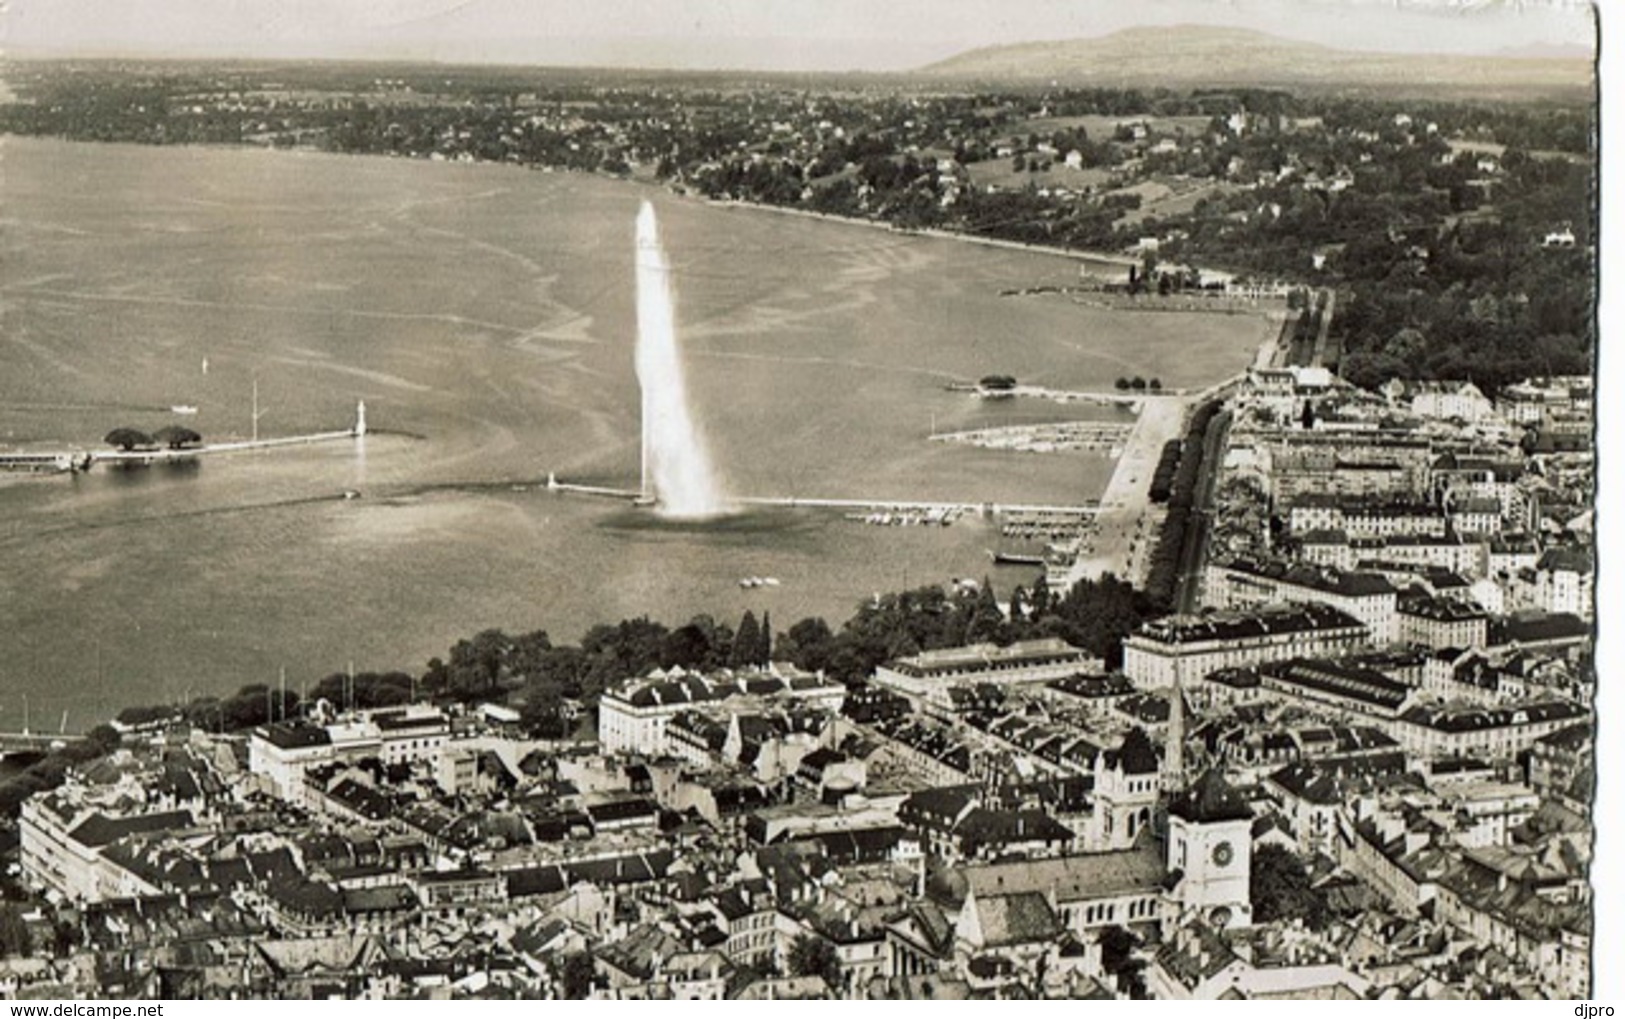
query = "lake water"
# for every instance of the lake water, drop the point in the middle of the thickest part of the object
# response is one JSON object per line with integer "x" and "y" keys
{"x": 485, "y": 315}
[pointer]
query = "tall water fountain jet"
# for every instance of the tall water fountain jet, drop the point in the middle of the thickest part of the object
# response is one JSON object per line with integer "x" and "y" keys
{"x": 677, "y": 472}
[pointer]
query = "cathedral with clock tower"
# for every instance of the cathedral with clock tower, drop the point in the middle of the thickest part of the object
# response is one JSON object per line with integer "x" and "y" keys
{"x": 1210, "y": 852}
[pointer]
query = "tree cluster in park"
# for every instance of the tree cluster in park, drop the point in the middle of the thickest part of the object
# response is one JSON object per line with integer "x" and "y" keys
{"x": 51, "y": 770}
{"x": 812, "y": 956}
{"x": 1180, "y": 527}
{"x": 1281, "y": 889}
{"x": 1162, "y": 478}
{"x": 1118, "y": 959}
{"x": 573, "y": 973}
{"x": 528, "y": 671}
{"x": 1481, "y": 301}
{"x": 1094, "y": 615}
{"x": 1440, "y": 273}
{"x": 15, "y": 940}
{"x": 169, "y": 436}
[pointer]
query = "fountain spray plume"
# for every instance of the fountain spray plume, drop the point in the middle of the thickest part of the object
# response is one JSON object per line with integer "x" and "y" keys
{"x": 677, "y": 472}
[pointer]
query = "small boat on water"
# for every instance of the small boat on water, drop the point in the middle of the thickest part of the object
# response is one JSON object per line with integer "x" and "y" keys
{"x": 183, "y": 408}
{"x": 753, "y": 582}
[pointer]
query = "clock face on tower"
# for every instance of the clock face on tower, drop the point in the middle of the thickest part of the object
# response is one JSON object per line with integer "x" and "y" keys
{"x": 1223, "y": 854}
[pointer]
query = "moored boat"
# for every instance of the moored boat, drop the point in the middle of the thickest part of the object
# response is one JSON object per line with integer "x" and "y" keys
{"x": 1016, "y": 559}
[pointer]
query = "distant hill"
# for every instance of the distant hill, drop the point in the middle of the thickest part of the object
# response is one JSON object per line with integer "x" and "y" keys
{"x": 1199, "y": 55}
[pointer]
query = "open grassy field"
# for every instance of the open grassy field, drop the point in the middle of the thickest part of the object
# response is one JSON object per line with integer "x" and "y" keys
{"x": 1002, "y": 173}
{"x": 1161, "y": 198}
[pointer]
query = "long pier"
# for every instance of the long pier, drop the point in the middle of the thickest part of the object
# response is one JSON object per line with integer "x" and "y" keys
{"x": 978, "y": 508}
{"x": 1118, "y": 398}
{"x": 54, "y": 462}
{"x": 69, "y": 460}
{"x": 247, "y": 445}
{"x": 881, "y": 504}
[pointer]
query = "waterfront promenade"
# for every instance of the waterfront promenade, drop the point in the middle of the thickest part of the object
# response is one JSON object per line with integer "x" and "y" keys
{"x": 1123, "y": 525}
{"x": 1126, "y": 527}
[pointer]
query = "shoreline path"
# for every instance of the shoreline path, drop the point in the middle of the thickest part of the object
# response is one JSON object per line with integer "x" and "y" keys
{"x": 1125, "y": 527}
{"x": 1122, "y": 523}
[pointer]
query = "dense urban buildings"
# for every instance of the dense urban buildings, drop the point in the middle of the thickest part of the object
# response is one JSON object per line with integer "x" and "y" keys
{"x": 1274, "y": 798}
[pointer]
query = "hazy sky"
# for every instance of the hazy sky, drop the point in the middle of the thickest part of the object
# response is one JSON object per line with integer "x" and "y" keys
{"x": 760, "y": 34}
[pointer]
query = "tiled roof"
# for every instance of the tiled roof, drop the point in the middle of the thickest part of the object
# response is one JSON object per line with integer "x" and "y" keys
{"x": 1199, "y": 957}
{"x": 1367, "y": 686}
{"x": 1572, "y": 560}
{"x": 978, "y": 657}
{"x": 732, "y": 904}
{"x": 860, "y": 845}
{"x": 634, "y": 869}
{"x": 290, "y": 737}
{"x": 309, "y": 898}
{"x": 1239, "y": 625}
{"x": 1073, "y": 878}
{"x": 1210, "y": 800}
{"x": 941, "y": 804}
{"x": 1316, "y": 578}
{"x": 386, "y": 898}
{"x": 1447, "y": 610}
{"x": 1006, "y": 826}
{"x": 622, "y": 810}
{"x": 1574, "y": 739}
{"x": 535, "y": 881}
{"x": 304, "y": 955}
{"x": 1452, "y": 719}
{"x": 1018, "y": 918}
{"x": 1113, "y": 685}
{"x": 99, "y": 829}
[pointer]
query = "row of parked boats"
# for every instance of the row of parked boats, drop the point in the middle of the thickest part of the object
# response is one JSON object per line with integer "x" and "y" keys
{"x": 936, "y": 516}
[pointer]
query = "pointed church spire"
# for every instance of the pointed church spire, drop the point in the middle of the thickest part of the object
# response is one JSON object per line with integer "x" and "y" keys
{"x": 1173, "y": 756}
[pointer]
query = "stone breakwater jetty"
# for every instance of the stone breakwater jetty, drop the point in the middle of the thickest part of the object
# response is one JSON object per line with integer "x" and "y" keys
{"x": 74, "y": 460}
